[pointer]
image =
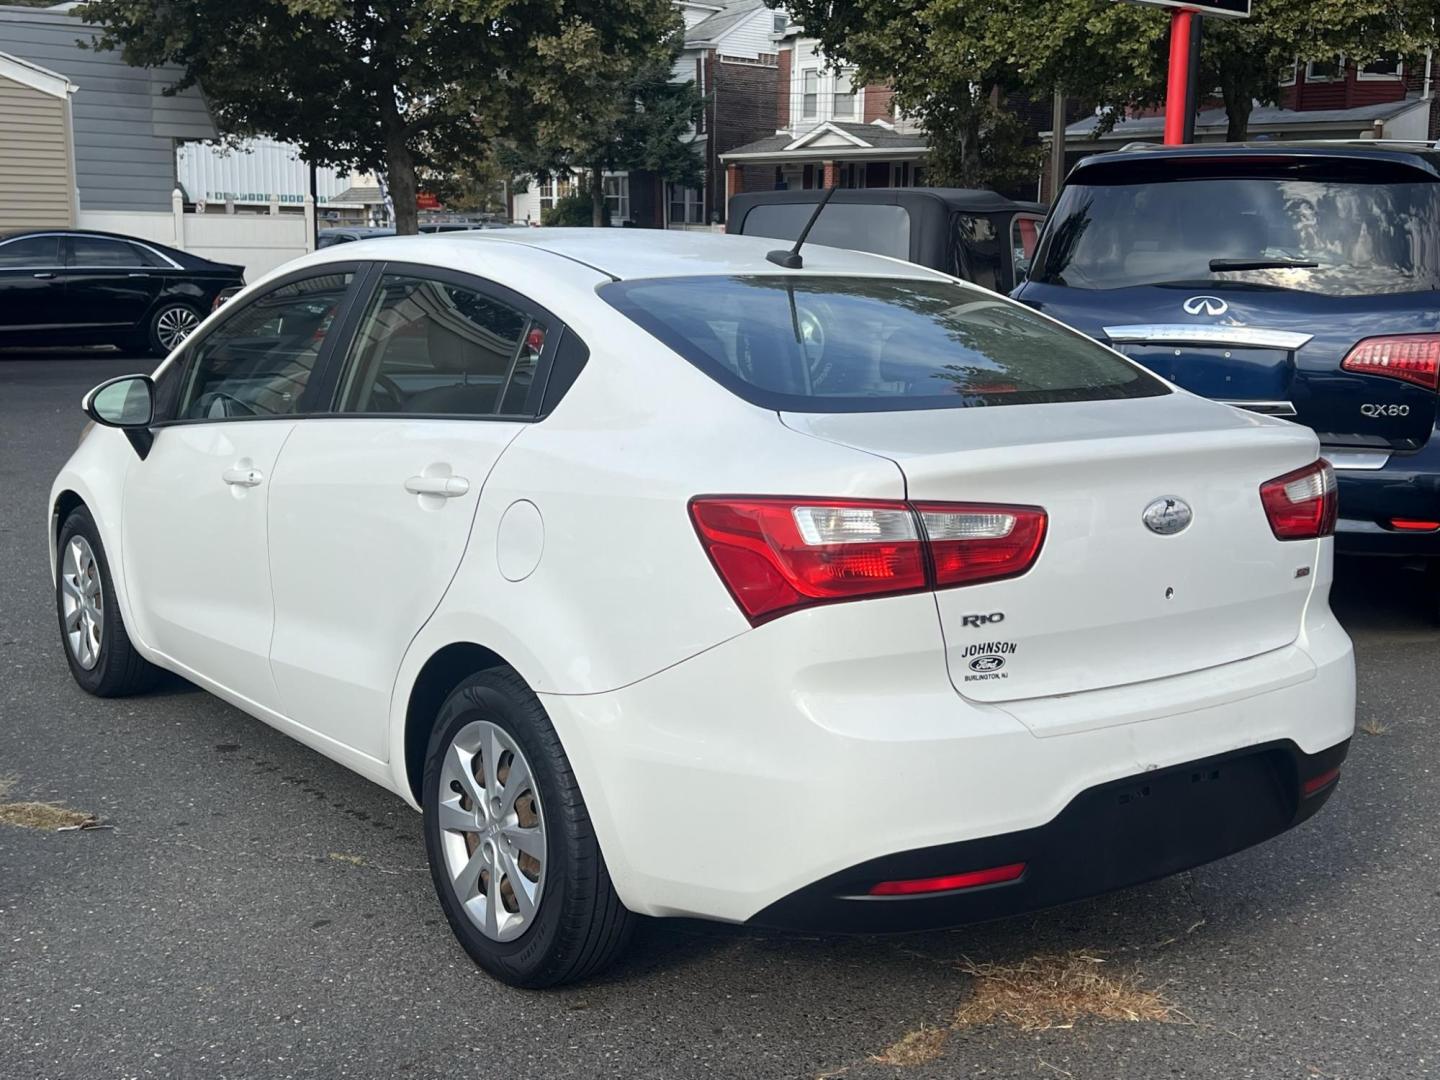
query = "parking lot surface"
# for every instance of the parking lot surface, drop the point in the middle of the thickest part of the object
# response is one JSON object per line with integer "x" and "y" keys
{"x": 257, "y": 911}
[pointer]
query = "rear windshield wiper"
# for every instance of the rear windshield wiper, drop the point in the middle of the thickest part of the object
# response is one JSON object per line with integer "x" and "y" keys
{"x": 1218, "y": 265}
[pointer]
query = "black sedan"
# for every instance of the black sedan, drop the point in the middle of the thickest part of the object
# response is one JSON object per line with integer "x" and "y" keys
{"x": 67, "y": 287}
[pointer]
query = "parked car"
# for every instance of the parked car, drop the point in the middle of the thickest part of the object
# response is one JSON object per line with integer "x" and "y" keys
{"x": 976, "y": 235}
{"x": 843, "y": 597}
{"x": 73, "y": 287}
{"x": 1298, "y": 280}
{"x": 349, "y": 234}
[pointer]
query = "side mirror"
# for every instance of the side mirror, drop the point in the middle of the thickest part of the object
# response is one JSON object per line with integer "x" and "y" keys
{"x": 127, "y": 403}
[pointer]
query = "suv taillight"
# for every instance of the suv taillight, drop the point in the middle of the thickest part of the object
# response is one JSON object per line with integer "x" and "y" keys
{"x": 1415, "y": 358}
{"x": 1301, "y": 505}
{"x": 779, "y": 554}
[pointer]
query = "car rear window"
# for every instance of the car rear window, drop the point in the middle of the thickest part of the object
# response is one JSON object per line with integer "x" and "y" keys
{"x": 878, "y": 228}
{"x": 856, "y": 344}
{"x": 1339, "y": 237}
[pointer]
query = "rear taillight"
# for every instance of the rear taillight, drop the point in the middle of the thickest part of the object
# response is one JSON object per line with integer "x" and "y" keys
{"x": 973, "y": 879}
{"x": 1415, "y": 358}
{"x": 981, "y": 543}
{"x": 1301, "y": 505}
{"x": 779, "y": 554}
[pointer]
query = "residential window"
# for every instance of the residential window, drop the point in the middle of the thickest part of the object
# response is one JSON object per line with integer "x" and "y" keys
{"x": 1331, "y": 70}
{"x": 810, "y": 93}
{"x": 1287, "y": 77}
{"x": 617, "y": 197}
{"x": 844, "y": 97}
{"x": 781, "y": 22}
{"x": 555, "y": 188}
{"x": 1390, "y": 69}
{"x": 687, "y": 205}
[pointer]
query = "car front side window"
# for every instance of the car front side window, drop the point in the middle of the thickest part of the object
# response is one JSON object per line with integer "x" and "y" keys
{"x": 259, "y": 361}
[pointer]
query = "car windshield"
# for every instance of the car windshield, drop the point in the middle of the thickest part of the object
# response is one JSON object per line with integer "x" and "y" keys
{"x": 1340, "y": 238}
{"x": 856, "y": 344}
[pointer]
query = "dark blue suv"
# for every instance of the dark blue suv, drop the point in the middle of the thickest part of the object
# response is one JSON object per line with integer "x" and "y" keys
{"x": 1296, "y": 279}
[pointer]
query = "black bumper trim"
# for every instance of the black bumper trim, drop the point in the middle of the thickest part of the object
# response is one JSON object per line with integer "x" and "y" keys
{"x": 1115, "y": 835}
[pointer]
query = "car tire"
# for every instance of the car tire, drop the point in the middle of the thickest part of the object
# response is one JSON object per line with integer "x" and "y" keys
{"x": 563, "y": 921}
{"x": 166, "y": 321}
{"x": 92, "y": 631}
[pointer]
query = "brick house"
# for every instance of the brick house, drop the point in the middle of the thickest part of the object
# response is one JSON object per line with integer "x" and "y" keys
{"x": 828, "y": 131}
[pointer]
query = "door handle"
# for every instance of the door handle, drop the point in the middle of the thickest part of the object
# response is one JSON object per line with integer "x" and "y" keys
{"x": 242, "y": 477}
{"x": 449, "y": 487}
{"x": 137, "y": 275}
{"x": 46, "y": 276}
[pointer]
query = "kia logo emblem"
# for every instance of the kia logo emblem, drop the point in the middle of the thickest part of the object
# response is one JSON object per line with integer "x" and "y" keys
{"x": 1206, "y": 305}
{"x": 1167, "y": 515}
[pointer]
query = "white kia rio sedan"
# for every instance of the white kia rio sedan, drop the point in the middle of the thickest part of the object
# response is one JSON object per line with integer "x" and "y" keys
{"x": 669, "y": 581}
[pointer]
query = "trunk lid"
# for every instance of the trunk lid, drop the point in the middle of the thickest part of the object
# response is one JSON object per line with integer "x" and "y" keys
{"x": 1271, "y": 350}
{"x": 1108, "y": 602}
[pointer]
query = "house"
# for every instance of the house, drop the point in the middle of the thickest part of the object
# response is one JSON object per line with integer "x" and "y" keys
{"x": 829, "y": 132}
{"x": 123, "y": 129}
{"x": 730, "y": 55}
{"x": 37, "y": 187}
{"x": 1332, "y": 98}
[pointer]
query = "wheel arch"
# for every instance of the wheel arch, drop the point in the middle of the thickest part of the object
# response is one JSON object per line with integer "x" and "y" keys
{"x": 446, "y": 669}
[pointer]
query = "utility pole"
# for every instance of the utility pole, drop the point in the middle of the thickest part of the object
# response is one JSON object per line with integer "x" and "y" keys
{"x": 1192, "y": 87}
{"x": 1057, "y": 142}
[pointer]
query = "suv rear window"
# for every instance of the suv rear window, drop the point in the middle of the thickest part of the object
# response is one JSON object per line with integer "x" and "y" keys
{"x": 874, "y": 227}
{"x": 1342, "y": 238}
{"x": 857, "y": 344}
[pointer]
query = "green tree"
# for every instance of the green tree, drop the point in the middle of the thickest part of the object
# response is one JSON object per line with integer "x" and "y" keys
{"x": 952, "y": 63}
{"x": 401, "y": 86}
{"x": 631, "y": 116}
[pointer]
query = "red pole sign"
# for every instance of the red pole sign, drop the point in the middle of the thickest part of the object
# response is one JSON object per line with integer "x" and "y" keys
{"x": 1176, "y": 98}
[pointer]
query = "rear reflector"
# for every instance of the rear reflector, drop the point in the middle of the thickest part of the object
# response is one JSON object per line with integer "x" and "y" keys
{"x": 950, "y": 883}
{"x": 1319, "y": 783}
{"x": 1415, "y": 358}
{"x": 1301, "y": 505}
{"x": 779, "y": 554}
{"x": 1414, "y": 524}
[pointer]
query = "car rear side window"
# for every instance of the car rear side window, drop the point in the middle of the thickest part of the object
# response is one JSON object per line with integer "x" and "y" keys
{"x": 259, "y": 360}
{"x": 856, "y": 344}
{"x": 30, "y": 252}
{"x": 432, "y": 347}
{"x": 1338, "y": 237}
{"x": 96, "y": 251}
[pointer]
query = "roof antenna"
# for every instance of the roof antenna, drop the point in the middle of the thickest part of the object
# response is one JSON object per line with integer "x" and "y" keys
{"x": 791, "y": 259}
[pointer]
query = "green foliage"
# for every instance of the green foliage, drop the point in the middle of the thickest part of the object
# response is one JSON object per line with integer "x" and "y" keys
{"x": 951, "y": 61}
{"x": 409, "y": 87}
{"x": 573, "y": 209}
{"x": 634, "y": 117}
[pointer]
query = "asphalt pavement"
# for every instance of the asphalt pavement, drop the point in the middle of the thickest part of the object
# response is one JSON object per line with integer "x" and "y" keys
{"x": 258, "y": 911}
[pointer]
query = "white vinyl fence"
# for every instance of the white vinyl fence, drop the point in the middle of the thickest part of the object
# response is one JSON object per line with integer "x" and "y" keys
{"x": 258, "y": 242}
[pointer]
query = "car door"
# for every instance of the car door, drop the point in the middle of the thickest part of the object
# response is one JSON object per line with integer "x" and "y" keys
{"x": 372, "y": 506}
{"x": 110, "y": 284}
{"x": 195, "y": 510}
{"x": 32, "y": 290}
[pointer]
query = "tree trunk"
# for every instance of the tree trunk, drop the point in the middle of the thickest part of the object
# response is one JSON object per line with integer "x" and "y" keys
{"x": 400, "y": 176}
{"x": 1238, "y": 103}
{"x": 597, "y": 197}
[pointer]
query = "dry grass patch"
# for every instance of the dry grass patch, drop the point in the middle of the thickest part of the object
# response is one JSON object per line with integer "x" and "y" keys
{"x": 1373, "y": 727}
{"x": 39, "y": 815}
{"x": 914, "y": 1047}
{"x": 1055, "y": 991}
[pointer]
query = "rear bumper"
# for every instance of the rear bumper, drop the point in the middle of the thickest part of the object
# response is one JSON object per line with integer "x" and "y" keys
{"x": 1111, "y": 836}
{"x": 776, "y": 763}
{"x": 1408, "y": 486}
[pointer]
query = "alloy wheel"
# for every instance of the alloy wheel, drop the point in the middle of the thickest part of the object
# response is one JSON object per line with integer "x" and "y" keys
{"x": 82, "y": 597}
{"x": 174, "y": 325}
{"x": 492, "y": 830}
